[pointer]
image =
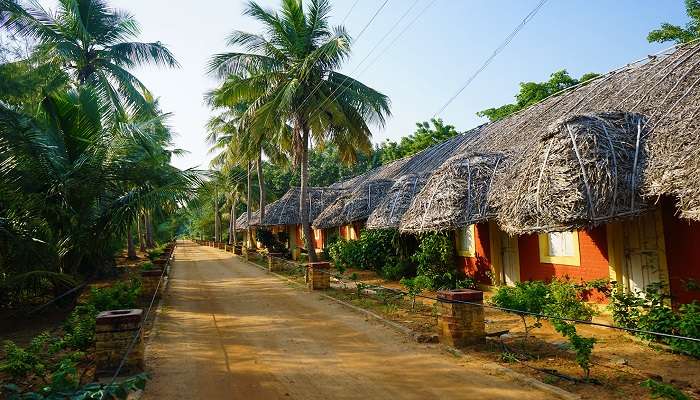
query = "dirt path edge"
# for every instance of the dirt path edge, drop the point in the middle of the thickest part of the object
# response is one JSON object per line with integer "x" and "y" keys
{"x": 495, "y": 369}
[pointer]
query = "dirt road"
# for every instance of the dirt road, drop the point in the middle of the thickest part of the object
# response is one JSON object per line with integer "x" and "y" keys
{"x": 229, "y": 331}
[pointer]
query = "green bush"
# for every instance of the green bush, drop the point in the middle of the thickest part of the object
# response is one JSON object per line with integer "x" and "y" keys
{"x": 436, "y": 260}
{"x": 395, "y": 269}
{"x": 415, "y": 286}
{"x": 652, "y": 312}
{"x": 527, "y": 297}
{"x": 117, "y": 296}
{"x": 374, "y": 250}
{"x": 660, "y": 390}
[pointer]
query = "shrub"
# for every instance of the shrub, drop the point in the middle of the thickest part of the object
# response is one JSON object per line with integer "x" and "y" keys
{"x": 652, "y": 312}
{"x": 415, "y": 287}
{"x": 660, "y": 390}
{"x": 373, "y": 250}
{"x": 117, "y": 296}
{"x": 395, "y": 269}
{"x": 527, "y": 297}
{"x": 435, "y": 259}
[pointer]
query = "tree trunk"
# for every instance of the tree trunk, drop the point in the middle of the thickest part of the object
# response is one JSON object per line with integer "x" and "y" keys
{"x": 130, "y": 249}
{"x": 149, "y": 232}
{"x": 142, "y": 235}
{"x": 217, "y": 218}
{"x": 304, "y": 206}
{"x": 233, "y": 218}
{"x": 248, "y": 210}
{"x": 261, "y": 184}
{"x": 231, "y": 222}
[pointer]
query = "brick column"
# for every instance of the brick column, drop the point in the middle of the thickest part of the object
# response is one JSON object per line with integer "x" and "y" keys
{"x": 318, "y": 276}
{"x": 461, "y": 324}
{"x": 238, "y": 249}
{"x": 274, "y": 261}
{"x": 149, "y": 283}
{"x": 114, "y": 332}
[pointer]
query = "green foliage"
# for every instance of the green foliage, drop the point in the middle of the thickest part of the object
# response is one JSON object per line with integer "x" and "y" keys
{"x": 421, "y": 139}
{"x": 374, "y": 250}
{"x": 395, "y": 268}
{"x": 435, "y": 260}
{"x": 117, "y": 296}
{"x": 416, "y": 286}
{"x": 651, "y": 311}
{"x": 678, "y": 34}
{"x": 64, "y": 386}
{"x": 556, "y": 299}
{"x": 660, "y": 390}
{"x": 534, "y": 92}
{"x": 19, "y": 362}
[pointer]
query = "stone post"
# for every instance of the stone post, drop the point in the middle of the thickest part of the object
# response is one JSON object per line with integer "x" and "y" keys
{"x": 114, "y": 332}
{"x": 461, "y": 324}
{"x": 318, "y": 275}
{"x": 274, "y": 262}
{"x": 238, "y": 250}
{"x": 149, "y": 283}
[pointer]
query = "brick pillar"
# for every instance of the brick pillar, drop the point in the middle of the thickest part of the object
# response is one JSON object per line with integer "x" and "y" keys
{"x": 238, "y": 249}
{"x": 274, "y": 261}
{"x": 149, "y": 283}
{"x": 318, "y": 276}
{"x": 461, "y": 324}
{"x": 114, "y": 332}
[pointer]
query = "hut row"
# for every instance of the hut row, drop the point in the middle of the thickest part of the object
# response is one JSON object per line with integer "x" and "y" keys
{"x": 600, "y": 181}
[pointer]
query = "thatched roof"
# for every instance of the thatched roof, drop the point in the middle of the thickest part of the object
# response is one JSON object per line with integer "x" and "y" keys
{"x": 242, "y": 220}
{"x": 371, "y": 189}
{"x": 585, "y": 156}
{"x": 286, "y": 210}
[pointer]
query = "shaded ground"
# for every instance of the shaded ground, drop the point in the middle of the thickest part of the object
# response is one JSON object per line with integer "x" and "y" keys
{"x": 230, "y": 331}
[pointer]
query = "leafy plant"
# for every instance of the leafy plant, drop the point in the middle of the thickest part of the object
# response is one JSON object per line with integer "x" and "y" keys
{"x": 527, "y": 297}
{"x": 660, "y": 390}
{"x": 435, "y": 259}
{"x": 69, "y": 390}
{"x": 415, "y": 286}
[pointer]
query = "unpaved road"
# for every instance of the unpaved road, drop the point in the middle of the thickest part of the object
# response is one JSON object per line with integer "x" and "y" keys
{"x": 227, "y": 330}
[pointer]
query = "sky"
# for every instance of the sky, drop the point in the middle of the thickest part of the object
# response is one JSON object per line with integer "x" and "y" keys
{"x": 424, "y": 67}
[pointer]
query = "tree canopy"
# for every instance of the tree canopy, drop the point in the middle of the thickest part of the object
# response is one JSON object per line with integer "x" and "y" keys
{"x": 679, "y": 34}
{"x": 534, "y": 92}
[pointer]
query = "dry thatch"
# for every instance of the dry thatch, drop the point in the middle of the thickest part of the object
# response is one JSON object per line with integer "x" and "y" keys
{"x": 371, "y": 189}
{"x": 242, "y": 221}
{"x": 570, "y": 159}
{"x": 456, "y": 195}
{"x": 286, "y": 210}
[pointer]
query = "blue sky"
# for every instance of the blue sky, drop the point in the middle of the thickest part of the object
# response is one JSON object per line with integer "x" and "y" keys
{"x": 424, "y": 68}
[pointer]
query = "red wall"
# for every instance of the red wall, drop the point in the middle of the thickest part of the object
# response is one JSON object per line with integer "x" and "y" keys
{"x": 478, "y": 266}
{"x": 593, "y": 248}
{"x": 682, "y": 239}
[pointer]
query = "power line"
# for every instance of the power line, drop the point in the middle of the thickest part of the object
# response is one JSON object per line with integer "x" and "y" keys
{"x": 332, "y": 96}
{"x": 493, "y": 55}
{"x": 397, "y": 37}
{"x": 349, "y": 12}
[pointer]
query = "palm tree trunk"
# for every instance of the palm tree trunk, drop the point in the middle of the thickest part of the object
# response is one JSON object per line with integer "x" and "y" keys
{"x": 261, "y": 183}
{"x": 217, "y": 218}
{"x": 130, "y": 249}
{"x": 304, "y": 206}
{"x": 233, "y": 218}
{"x": 142, "y": 235}
{"x": 149, "y": 232}
{"x": 248, "y": 210}
{"x": 231, "y": 221}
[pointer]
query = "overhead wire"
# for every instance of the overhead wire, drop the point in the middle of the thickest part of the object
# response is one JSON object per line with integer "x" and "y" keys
{"x": 493, "y": 55}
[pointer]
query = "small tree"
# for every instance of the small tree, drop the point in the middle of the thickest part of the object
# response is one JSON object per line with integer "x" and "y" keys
{"x": 415, "y": 287}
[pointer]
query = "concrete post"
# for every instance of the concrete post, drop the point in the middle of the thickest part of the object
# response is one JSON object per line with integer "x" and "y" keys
{"x": 274, "y": 261}
{"x": 149, "y": 283}
{"x": 461, "y": 324}
{"x": 318, "y": 276}
{"x": 114, "y": 332}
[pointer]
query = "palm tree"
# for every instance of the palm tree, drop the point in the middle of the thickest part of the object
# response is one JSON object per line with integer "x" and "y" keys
{"x": 93, "y": 44}
{"x": 289, "y": 76}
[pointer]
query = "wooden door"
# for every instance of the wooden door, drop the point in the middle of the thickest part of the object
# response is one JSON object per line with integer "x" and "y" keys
{"x": 644, "y": 256}
{"x": 510, "y": 259}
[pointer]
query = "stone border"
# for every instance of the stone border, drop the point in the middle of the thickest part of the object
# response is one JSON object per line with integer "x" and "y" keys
{"x": 495, "y": 369}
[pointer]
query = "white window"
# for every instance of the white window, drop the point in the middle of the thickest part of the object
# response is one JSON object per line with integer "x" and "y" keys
{"x": 560, "y": 248}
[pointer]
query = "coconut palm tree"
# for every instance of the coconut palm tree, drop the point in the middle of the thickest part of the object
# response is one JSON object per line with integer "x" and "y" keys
{"x": 289, "y": 76}
{"x": 93, "y": 44}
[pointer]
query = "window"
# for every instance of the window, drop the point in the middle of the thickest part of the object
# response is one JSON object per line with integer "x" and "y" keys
{"x": 559, "y": 248}
{"x": 466, "y": 245}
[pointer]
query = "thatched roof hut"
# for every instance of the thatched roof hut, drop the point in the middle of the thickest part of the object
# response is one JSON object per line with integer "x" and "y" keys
{"x": 242, "y": 221}
{"x": 371, "y": 189}
{"x": 286, "y": 210}
{"x": 586, "y": 155}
